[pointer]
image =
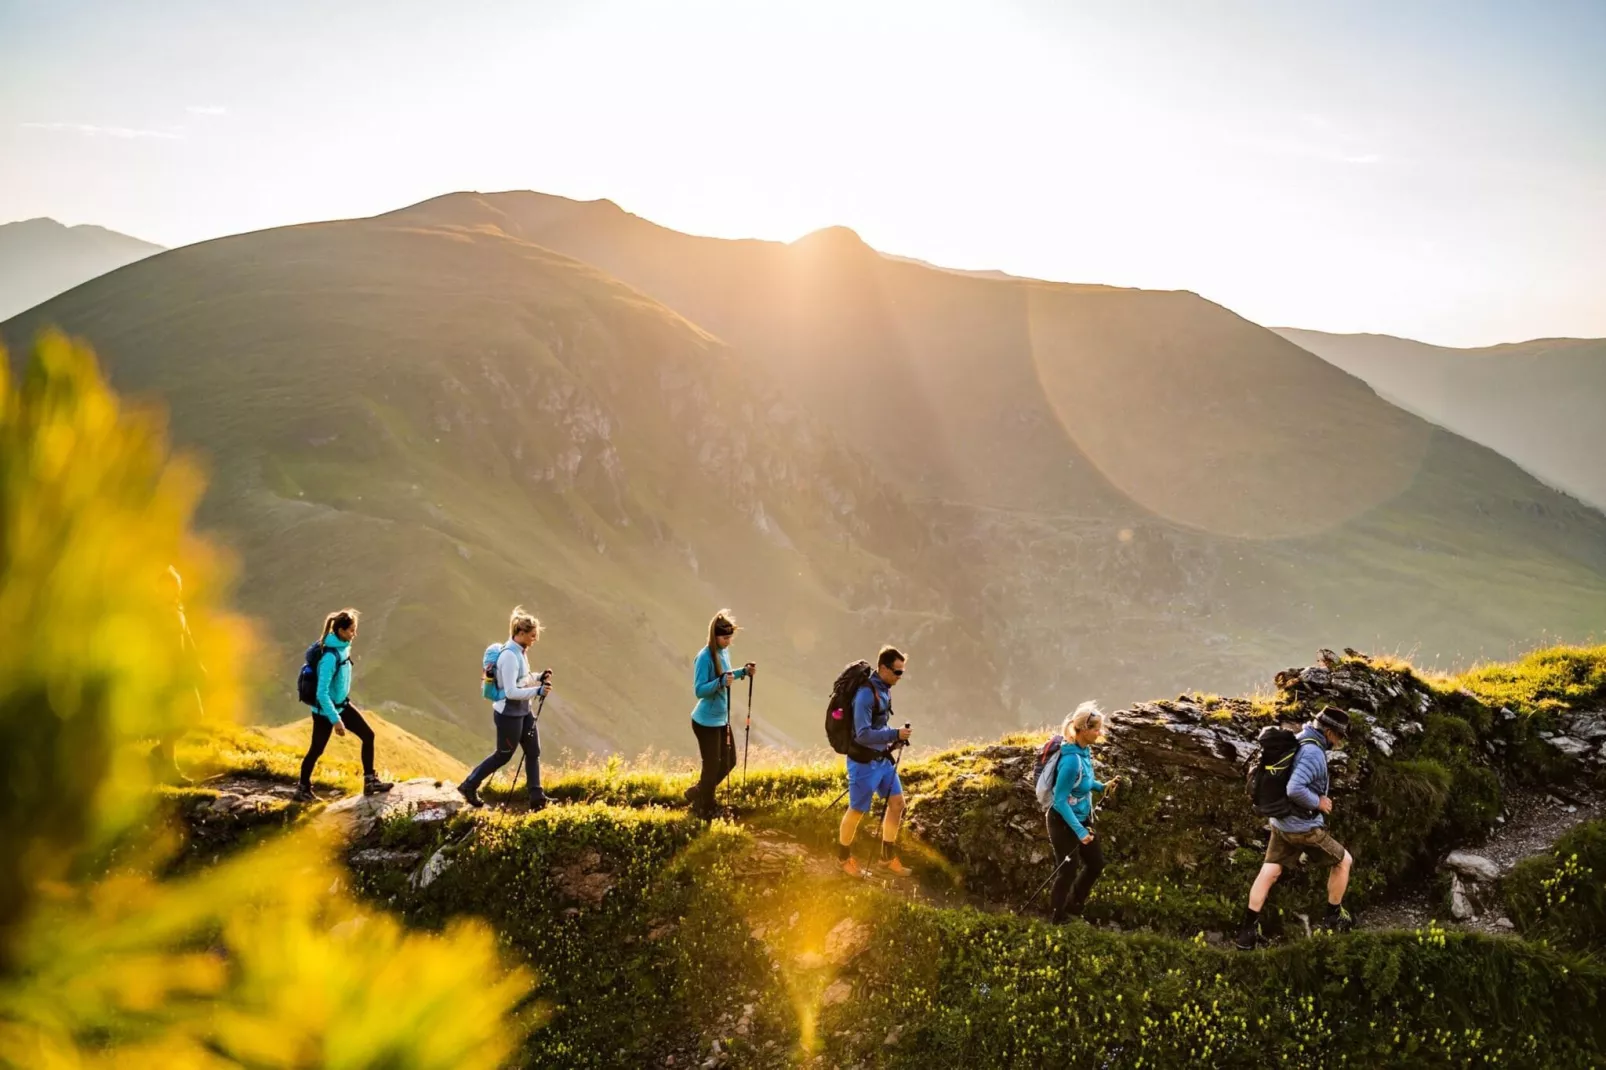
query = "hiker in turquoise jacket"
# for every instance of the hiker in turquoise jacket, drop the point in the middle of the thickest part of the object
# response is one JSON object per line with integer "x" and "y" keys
{"x": 1077, "y": 851}
{"x": 334, "y": 712}
{"x": 711, "y": 717}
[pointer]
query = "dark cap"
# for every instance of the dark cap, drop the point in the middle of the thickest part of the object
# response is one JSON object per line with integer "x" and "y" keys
{"x": 1333, "y": 719}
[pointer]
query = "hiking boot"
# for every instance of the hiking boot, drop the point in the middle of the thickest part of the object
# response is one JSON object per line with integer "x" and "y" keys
{"x": 539, "y": 803}
{"x": 895, "y": 866}
{"x": 470, "y": 795}
{"x": 372, "y": 785}
{"x": 691, "y": 794}
{"x": 1247, "y": 938}
{"x": 1337, "y": 921}
{"x": 304, "y": 794}
{"x": 851, "y": 867}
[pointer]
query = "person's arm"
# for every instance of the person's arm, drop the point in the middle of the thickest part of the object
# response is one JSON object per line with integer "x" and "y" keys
{"x": 328, "y": 661}
{"x": 864, "y": 732}
{"x": 1063, "y": 779}
{"x": 508, "y": 664}
{"x": 1299, "y": 791}
{"x": 706, "y": 677}
{"x": 740, "y": 674}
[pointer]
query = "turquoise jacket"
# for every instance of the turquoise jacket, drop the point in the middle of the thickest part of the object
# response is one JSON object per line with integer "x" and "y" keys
{"x": 1074, "y": 785}
{"x": 334, "y": 678}
{"x": 713, "y": 704}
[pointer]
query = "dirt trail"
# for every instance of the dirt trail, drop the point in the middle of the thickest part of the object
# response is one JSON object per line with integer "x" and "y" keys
{"x": 1534, "y": 820}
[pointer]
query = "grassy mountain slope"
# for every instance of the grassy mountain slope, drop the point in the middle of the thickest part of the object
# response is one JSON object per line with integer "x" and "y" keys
{"x": 1537, "y": 402}
{"x": 433, "y": 424}
{"x": 1146, "y": 489}
{"x": 40, "y": 258}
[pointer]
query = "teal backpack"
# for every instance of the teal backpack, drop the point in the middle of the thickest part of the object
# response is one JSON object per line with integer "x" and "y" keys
{"x": 489, "y": 688}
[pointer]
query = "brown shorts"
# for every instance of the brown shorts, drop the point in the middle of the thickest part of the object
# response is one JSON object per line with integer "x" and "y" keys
{"x": 1317, "y": 845}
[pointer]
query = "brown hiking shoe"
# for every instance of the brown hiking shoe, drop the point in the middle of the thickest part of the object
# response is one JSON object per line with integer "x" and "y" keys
{"x": 852, "y": 868}
{"x": 895, "y": 866}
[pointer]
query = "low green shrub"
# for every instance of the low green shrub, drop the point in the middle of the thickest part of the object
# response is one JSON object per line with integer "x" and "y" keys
{"x": 1561, "y": 895}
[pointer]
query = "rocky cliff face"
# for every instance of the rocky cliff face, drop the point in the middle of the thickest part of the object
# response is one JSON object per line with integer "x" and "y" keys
{"x": 1425, "y": 770}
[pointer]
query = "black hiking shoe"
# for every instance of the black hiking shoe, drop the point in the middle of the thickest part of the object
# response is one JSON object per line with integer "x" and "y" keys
{"x": 372, "y": 785}
{"x": 1337, "y": 921}
{"x": 539, "y": 803}
{"x": 1247, "y": 939}
{"x": 304, "y": 794}
{"x": 470, "y": 795}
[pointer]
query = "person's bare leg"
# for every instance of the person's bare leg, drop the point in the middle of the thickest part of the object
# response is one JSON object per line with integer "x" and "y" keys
{"x": 893, "y": 818}
{"x": 1262, "y": 887}
{"x": 850, "y": 826}
{"x": 1337, "y": 881}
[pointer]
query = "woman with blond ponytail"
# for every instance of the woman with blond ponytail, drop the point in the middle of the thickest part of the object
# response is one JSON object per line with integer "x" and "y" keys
{"x": 711, "y": 718}
{"x": 1070, "y": 816}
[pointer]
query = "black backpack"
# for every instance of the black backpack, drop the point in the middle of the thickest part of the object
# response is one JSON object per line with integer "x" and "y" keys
{"x": 839, "y": 711}
{"x": 1270, "y": 768}
{"x": 307, "y": 678}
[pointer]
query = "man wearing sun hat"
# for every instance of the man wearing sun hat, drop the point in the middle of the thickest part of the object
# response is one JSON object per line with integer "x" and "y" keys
{"x": 1303, "y": 832}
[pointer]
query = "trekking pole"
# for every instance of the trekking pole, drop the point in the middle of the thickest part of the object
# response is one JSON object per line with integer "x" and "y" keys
{"x": 747, "y": 735}
{"x": 519, "y": 768}
{"x": 1091, "y": 815}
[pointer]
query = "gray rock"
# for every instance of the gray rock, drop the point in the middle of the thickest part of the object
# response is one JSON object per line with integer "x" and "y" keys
{"x": 1460, "y": 905}
{"x": 1383, "y": 740}
{"x": 360, "y": 815}
{"x": 1472, "y": 867}
{"x": 1572, "y": 748}
{"x": 438, "y": 863}
{"x": 1590, "y": 726}
{"x": 1504, "y": 923}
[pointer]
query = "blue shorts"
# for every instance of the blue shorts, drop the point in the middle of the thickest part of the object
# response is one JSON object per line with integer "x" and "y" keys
{"x": 866, "y": 780}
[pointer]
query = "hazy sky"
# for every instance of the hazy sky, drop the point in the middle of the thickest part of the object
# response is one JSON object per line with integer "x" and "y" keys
{"x": 1436, "y": 170}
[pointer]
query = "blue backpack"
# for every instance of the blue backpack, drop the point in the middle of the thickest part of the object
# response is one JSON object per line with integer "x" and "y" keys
{"x": 307, "y": 678}
{"x": 489, "y": 688}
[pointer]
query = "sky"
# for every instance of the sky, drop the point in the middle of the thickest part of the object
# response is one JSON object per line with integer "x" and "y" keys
{"x": 1430, "y": 169}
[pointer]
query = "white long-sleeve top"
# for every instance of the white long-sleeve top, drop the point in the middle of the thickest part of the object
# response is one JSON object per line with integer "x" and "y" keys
{"x": 511, "y": 667}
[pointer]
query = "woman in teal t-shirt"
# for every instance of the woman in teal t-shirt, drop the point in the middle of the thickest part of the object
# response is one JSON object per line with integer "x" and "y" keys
{"x": 711, "y": 718}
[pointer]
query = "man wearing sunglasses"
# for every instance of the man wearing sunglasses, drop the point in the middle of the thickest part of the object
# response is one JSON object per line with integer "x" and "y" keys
{"x": 871, "y": 769}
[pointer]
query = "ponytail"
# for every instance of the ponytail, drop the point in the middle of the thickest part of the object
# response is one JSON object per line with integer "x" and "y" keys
{"x": 722, "y": 624}
{"x": 340, "y": 618}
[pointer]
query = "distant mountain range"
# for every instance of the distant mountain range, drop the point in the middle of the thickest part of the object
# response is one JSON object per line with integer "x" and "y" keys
{"x": 1541, "y": 403}
{"x": 1044, "y": 492}
{"x": 40, "y": 258}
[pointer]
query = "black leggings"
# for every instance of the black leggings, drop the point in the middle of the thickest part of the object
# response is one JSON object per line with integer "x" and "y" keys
{"x": 718, "y": 749}
{"x": 512, "y": 732}
{"x": 323, "y": 728}
{"x": 1071, "y": 883}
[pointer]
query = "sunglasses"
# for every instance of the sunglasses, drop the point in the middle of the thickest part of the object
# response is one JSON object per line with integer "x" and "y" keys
{"x": 897, "y": 672}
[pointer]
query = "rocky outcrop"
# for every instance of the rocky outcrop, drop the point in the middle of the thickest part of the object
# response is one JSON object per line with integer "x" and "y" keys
{"x": 421, "y": 800}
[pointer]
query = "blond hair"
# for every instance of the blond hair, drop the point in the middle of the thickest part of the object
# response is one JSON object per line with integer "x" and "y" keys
{"x": 1087, "y": 715}
{"x": 522, "y": 622}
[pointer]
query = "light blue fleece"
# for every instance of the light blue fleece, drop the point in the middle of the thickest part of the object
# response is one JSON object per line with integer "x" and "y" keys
{"x": 1074, "y": 785}
{"x": 713, "y": 702}
{"x": 334, "y": 677}
{"x": 1306, "y": 784}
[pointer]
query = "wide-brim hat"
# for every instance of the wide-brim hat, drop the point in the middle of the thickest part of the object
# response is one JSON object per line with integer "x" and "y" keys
{"x": 1334, "y": 719}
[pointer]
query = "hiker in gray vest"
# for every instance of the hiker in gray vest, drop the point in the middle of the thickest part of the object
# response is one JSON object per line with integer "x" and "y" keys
{"x": 515, "y": 720}
{"x": 1303, "y": 832}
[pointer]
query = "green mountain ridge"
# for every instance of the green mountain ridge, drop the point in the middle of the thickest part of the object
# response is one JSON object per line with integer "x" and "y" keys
{"x": 1537, "y": 402}
{"x": 1045, "y": 492}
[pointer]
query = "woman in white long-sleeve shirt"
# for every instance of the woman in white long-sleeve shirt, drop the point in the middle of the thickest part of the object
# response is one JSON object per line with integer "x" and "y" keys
{"x": 515, "y": 719}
